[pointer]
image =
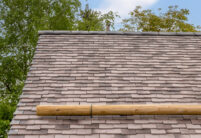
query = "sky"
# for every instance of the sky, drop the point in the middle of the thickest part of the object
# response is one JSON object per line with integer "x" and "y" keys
{"x": 123, "y": 7}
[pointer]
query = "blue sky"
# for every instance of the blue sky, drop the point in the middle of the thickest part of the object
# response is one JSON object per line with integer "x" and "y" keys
{"x": 124, "y": 6}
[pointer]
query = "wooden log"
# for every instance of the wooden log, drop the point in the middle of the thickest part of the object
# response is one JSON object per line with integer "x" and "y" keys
{"x": 146, "y": 110}
{"x": 86, "y": 110}
{"x": 63, "y": 110}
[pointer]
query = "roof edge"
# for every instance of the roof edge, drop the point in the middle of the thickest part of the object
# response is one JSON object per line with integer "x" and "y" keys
{"x": 51, "y": 32}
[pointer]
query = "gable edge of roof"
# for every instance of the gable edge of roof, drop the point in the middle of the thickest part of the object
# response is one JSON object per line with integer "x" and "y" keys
{"x": 52, "y": 32}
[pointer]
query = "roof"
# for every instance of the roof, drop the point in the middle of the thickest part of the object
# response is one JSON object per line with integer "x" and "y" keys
{"x": 78, "y": 68}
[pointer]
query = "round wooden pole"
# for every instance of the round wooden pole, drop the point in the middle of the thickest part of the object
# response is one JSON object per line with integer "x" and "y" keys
{"x": 63, "y": 110}
{"x": 85, "y": 110}
{"x": 146, "y": 110}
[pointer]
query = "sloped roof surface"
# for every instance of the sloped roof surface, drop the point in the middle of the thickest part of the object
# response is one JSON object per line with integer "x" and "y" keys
{"x": 77, "y": 68}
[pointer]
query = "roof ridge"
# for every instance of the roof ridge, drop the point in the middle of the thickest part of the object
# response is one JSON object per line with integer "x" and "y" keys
{"x": 52, "y": 32}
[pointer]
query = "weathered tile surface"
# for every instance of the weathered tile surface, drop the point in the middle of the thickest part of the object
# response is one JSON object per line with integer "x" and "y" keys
{"x": 111, "y": 69}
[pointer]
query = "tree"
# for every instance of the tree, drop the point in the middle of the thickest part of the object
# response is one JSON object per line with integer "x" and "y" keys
{"x": 20, "y": 21}
{"x": 109, "y": 19}
{"x": 174, "y": 20}
{"x": 6, "y": 114}
{"x": 91, "y": 20}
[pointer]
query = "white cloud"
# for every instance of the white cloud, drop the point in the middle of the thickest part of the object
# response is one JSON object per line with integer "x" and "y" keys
{"x": 123, "y": 7}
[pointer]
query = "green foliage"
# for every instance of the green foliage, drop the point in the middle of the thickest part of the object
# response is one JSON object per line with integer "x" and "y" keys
{"x": 174, "y": 20}
{"x": 20, "y": 21}
{"x": 6, "y": 111}
{"x": 109, "y": 19}
{"x": 6, "y": 115}
{"x": 4, "y": 127}
{"x": 62, "y": 14}
{"x": 91, "y": 20}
